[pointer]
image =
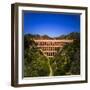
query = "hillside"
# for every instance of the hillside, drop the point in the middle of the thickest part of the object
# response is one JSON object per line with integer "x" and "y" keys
{"x": 65, "y": 62}
{"x": 73, "y": 35}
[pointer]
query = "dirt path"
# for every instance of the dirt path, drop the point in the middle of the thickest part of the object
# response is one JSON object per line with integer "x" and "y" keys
{"x": 50, "y": 68}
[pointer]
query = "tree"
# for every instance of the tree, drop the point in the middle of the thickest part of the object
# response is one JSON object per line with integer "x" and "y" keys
{"x": 67, "y": 61}
{"x": 35, "y": 63}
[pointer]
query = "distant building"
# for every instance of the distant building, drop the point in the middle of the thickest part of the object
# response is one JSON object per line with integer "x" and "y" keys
{"x": 50, "y": 47}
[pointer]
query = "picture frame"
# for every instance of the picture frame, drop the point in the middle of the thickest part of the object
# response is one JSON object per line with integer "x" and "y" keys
{"x": 19, "y": 11}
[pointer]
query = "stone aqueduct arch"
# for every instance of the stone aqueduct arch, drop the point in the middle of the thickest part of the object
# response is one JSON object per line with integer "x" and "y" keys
{"x": 50, "y": 47}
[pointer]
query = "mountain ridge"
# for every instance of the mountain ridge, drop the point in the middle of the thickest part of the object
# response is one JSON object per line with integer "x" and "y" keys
{"x": 72, "y": 35}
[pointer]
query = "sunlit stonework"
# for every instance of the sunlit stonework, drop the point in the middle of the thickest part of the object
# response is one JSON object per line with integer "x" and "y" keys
{"x": 50, "y": 47}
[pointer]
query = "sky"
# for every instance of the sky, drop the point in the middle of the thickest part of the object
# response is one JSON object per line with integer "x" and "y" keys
{"x": 51, "y": 24}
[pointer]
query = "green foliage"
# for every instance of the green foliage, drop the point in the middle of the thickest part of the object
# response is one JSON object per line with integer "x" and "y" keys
{"x": 67, "y": 61}
{"x": 35, "y": 63}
